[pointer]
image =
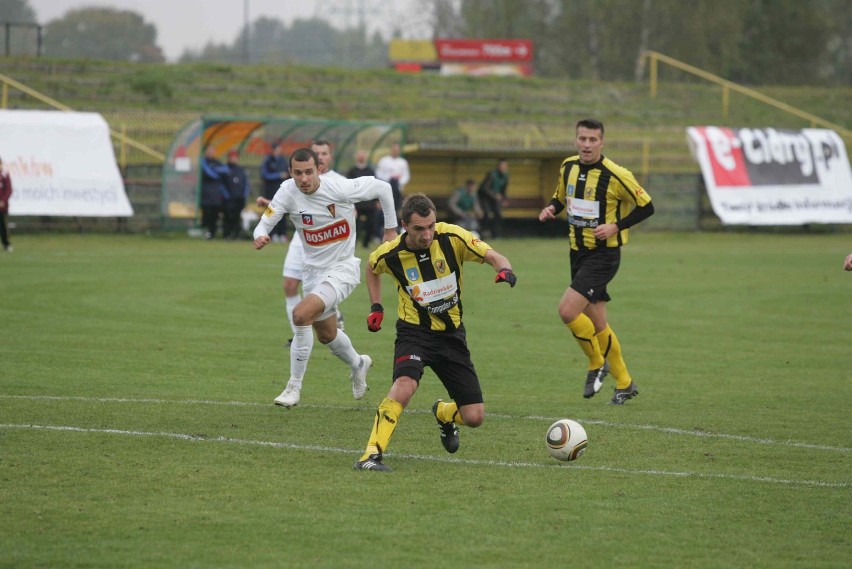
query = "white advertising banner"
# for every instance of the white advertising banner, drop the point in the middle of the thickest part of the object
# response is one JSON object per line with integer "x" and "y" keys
{"x": 61, "y": 164}
{"x": 757, "y": 176}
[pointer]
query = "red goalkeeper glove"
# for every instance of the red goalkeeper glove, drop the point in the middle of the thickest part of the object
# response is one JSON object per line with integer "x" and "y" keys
{"x": 374, "y": 320}
{"x": 506, "y": 276}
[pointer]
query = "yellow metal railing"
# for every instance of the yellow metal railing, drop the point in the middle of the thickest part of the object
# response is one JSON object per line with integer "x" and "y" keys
{"x": 728, "y": 86}
{"x": 121, "y": 136}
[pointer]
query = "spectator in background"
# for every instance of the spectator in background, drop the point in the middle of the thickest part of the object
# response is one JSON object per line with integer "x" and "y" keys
{"x": 273, "y": 171}
{"x": 492, "y": 198}
{"x": 367, "y": 223}
{"x": 464, "y": 206}
{"x": 394, "y": 170}
{"x": 5, "y": 194}
{"x": 238, "y": 191}
{"x": 847, "y": 264}
{"x": 213, "y": 192}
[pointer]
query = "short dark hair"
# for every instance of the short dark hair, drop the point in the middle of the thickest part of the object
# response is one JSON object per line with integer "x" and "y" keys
{"x": 321, "y": 142}
{"x": 303, "y": 155}
{"x": 417, "y": 203}
{"x": 593, "y": 124}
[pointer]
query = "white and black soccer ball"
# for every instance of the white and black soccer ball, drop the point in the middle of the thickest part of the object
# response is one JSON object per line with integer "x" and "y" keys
{"x": 566, "y": 440}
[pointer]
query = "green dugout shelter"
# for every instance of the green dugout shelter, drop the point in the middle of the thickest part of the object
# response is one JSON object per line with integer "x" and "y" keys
{"x": 252, "y": 137}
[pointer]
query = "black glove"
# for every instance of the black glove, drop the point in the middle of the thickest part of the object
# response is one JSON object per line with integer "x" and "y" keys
{"x": 374, "y": 320}
{"x": 506, "y": 276}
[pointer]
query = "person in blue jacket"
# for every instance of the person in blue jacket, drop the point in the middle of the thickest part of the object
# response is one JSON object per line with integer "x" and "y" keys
{"x": 237, "y": 186}
{"x": 213, "y": 191}
{"x": 273, "y": 171}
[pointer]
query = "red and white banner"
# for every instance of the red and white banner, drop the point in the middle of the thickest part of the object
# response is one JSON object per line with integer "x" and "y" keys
{"x": 484, "y": 50}
{"x": 774, "y": 176}
{"x": 62, "y": 164}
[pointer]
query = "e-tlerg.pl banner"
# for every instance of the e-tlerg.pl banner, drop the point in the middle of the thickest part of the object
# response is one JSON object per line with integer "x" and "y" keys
{"x": 767, "y": 176}
{"x": 61, "y": 164}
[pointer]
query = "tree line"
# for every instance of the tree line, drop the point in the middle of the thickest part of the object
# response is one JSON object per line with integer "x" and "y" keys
{"x": 792, "y": 42}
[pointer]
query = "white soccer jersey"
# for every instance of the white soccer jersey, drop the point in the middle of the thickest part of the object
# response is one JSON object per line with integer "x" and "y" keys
{"x": 325, "y": 220}
{"x": 294, "y": 261}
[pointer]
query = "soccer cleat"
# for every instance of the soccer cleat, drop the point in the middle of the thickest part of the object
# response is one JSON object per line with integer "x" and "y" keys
{"x": 359, "y": 377}
{"x": 373, "y": 462}
{"x": 289, "y": 397}
{"x": 594, "y": 380}
{"x": 622, "y": 395}
{"x": 449, "y": 431}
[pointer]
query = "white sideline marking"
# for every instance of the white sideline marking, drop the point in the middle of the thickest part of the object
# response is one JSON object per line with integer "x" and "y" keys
{"x": 670, "y": 430}
{"x": 509, "y": 464}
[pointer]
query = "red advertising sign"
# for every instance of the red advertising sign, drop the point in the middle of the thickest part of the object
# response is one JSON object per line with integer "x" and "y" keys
{"x": 483, "y": 50}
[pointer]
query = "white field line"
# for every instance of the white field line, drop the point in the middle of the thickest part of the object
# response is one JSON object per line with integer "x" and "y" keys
{"x": 669, "y": 430}
{"x": 499, "y": 463}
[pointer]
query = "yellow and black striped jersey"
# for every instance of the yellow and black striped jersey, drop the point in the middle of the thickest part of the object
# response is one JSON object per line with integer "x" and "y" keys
{"x": 595, "y": 194}
{"x": 429, "y": 281}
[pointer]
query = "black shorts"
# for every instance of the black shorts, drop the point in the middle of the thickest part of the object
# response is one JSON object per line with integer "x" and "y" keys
{"x": 445, "y": 352}
{"x": 592, "y": 270}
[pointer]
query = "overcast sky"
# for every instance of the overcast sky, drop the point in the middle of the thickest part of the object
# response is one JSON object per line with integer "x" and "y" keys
{"x": 191, "y": 24}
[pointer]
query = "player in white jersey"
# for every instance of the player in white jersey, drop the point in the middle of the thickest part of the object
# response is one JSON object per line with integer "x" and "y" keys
{"x": 294, "y": 260}
{"x": 322, "y": 211}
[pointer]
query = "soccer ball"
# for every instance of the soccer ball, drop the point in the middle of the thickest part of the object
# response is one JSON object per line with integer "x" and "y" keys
{"x": 566, "y": 440}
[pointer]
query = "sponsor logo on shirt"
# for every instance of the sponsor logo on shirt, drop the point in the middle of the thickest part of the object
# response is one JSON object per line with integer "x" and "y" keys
{"x": 338, "y": 231}
{"x": 428, "y": 292}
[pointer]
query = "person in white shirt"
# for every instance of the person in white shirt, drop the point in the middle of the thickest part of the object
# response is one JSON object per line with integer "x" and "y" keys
{"x": 393, "y": 169}
{"x": 322, "y": 211}
{"x": 294, "y": 260}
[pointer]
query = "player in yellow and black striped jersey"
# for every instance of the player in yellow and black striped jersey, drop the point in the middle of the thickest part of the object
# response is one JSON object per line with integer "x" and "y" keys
{"x": 426, "y": 263}
{"x": 602, "y": 200}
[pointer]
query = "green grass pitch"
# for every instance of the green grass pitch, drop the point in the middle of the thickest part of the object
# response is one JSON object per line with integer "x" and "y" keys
{"x": 137, "y": 428}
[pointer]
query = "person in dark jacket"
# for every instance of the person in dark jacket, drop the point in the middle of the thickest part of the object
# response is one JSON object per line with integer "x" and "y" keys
{"x": 368, "y": 223}
{"x": 237, "y": 186}
{"x": 213, "y": 191}
{"x": 273, "y": 171}
{"x": 5, "y": 194}
{"x": 492, "y": 198}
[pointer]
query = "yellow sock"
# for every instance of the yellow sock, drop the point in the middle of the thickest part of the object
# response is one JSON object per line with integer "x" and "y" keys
{"x": 611, "y": 348}
{"x": 584, "y": 332}
{"x": 449, "y": 413}
{"x": 387, "y": 416}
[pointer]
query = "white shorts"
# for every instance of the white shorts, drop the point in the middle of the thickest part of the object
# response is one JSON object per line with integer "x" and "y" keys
{"x": 333, "y": 286}
{"x": 294, "y": 260}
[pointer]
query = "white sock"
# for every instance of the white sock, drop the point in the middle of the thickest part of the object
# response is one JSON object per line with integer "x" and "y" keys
{"x": 290, "y": 303}
{"x": 341, "y": 347}
{"x": 300, "y": 353}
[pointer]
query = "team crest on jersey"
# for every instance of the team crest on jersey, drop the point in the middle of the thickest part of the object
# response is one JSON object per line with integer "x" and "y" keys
{"x": 330, "y": 207}
{"x": 412, "y": 274}
{"x": 440, "y": 265}
{"x": 590, "y": 193}
{"x": 307, "y": 219}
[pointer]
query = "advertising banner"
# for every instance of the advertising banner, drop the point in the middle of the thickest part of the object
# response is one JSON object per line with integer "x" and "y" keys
{"x": 767, "y": 176}
{"x": 484, "y": 50}
{"x": 61, "y": 164}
